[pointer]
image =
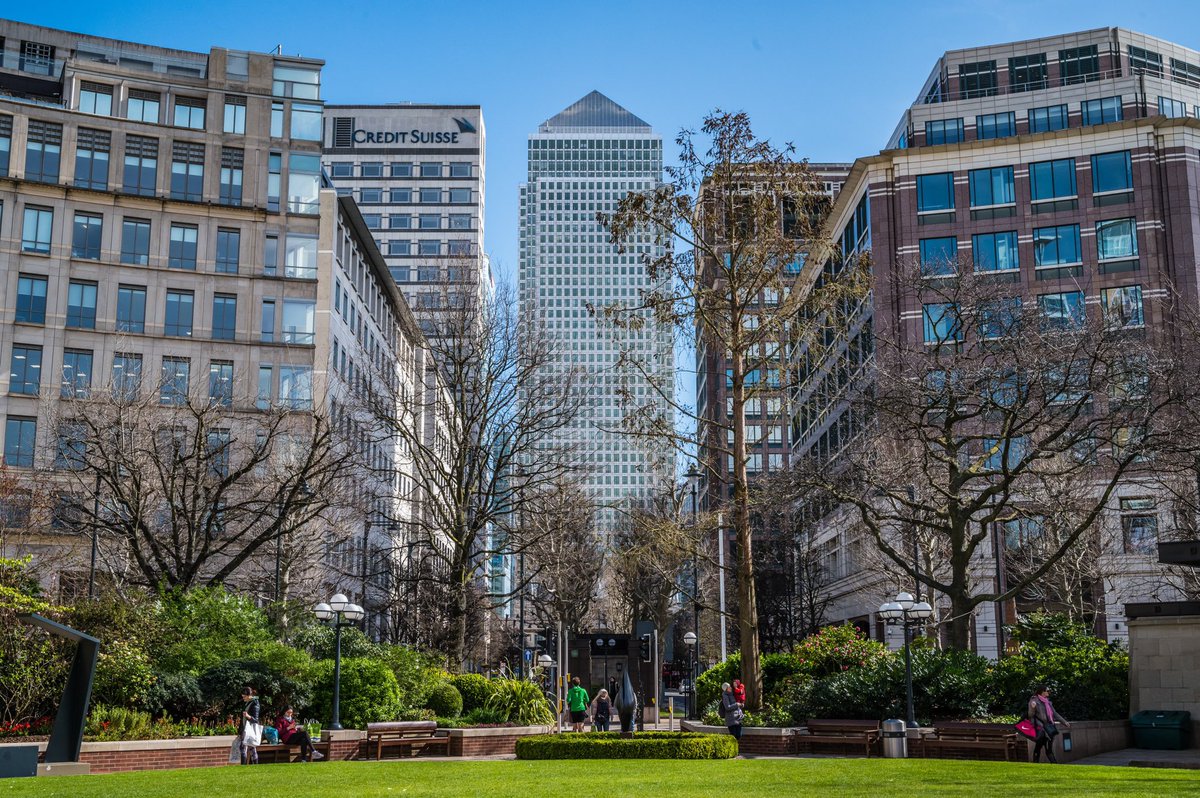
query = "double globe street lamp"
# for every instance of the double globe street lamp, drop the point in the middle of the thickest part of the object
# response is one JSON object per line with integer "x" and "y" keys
{"x": 339, "y": 612}
{"x": 907, "y": 612}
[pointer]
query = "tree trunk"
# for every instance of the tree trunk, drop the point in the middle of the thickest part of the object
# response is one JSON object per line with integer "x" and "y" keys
{"x": 747, "y": 598}
{"x": 457, "y": 618}
{"x": 961, "y": 612}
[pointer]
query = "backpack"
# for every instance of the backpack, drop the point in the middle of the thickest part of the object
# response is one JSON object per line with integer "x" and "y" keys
{"x": 721, "y": 707}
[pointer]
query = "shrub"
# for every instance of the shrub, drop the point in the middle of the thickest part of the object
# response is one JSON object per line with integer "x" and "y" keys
{"x": 175, "y": 694}
{"x": 483, "y": 716}
{"x": 520, "y": 701}
{"x": 123, "y": 674}
{"x": 317, "y": 639}
{"x": 33, "y": 665}
{"x": 369, "y": 692}
{"x": 415, "y": 714}
{"x": 204, "y": 627}
{"x": 644, "y": 745}
{"x": 221, "y": 687}
{"x": 445, "y": 701}
{"x": 118, "y": 723}
{"x": 475, "y": 689}
{"x": 776, "y": 669}
{"x": 416, "y": 672}
{"x": 835, "y": 649}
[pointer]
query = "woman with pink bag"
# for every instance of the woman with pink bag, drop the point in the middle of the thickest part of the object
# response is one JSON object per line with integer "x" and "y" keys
{"x": 1045, "y": 719}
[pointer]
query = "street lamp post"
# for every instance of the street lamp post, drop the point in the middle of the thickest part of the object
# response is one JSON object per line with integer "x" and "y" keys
{"x": 341, "y": 612}
{"x": 907, "y": 612}
{"x": 693, "y": 476}
{"x": 690, "y": 639}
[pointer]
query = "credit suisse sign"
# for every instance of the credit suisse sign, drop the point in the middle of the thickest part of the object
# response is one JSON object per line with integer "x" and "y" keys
{"x": 414, "y": 136}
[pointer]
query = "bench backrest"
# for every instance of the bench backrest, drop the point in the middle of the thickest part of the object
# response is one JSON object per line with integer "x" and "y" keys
{"x": 842, "y": 726}
{"x": 974, "y": 731}
{"x": 402, "y": 728}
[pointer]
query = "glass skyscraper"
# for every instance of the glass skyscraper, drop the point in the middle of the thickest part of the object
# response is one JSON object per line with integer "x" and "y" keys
{"x": 582, "y": 161}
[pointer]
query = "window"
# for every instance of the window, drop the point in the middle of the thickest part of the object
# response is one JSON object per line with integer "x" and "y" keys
{"x": 1063, "y": 310}
{"x": 1056, "y": 246}
{"x": 341, "y": 169}
{"x": 460, "y": 221}
{"x": 298, "y": 316}
{"x": 370, "y": 196}
{"x": 1050, "y": 180}
{"x": 1004, "y": 454}
{"x": 95, "y": 98}
{"x": 183, "y": 247}
{"x": 1184, "y": 72}
{"x": 20, "y": 438}
{"x": 400, "y": 196}
{"x": 942, "y": 324}
{"x": 373, "y": 221}
{"x": 1051, "y": 117}
{"x": 91, "y": 159}
{"x": 939, "y": 256}
{"x": 935, "y": 192}
{"x": 300, "y": 257}
{"x": 31, "y": 299}
{"x": 1144, "y": 62}
{"x": 295, "y": 387}
{"x": 229, "y": 244}
{"x": 36, "y": 58}
{"x": 306, "y": 122}
{"x": 178, "y": 319}
{"x": 135, "y": 241}
{"x": 458, "y": 247}
{"x": 399, "y": 248}
{"x": 458, "y": 196}
{"x": 126, "y": 376}
{"x": 1139, "y": 523}
{"x": 429, "y": 221}
{"x": 1079, "y": 64}
{"x": 25, "y": 373}
{"x": 81, "y": 305}
{"x": 977, "y": 80}
{"x": 224, "y": 317}
{"x": 235, "y": 115}
{"x": 131, "y": 309}
{"x": 431, "y": 170}
{"x": 995, "y": 126}
{"x": 402, "y": 170}
{"x": 220, "y": 382}
{"x": 86, "y": 237}
{"x": 232, "y": 176}
{"x": 431, "y": 195}
{"x": 991, "y": 186}
{"x": 998, "y": 318}
{"x": 268, "y": 321}
{"x": 460, "y": 170}
{"x": 43, "y": 148}
{"x": 1172, "y": 109}
{"x": 429, "y": 247}
{"x": 270, "y": 255}
{"x": 265, "y": 385}
{"x": 35, "y": 234}
{"x": 293, "y": 80}
{"x": 1027, "y": 72}
{"x": 1112, "y": 171}
{"x": 1099, "y": 112}
{"x": 1123, "y": 306}
{"x": 276, "y": 120}
{"x": 76, "y": 374}
{"x": 304, "y": 182}
{"x": 142, "y": 106}
{"x": 173, "y": 387}
{"x": 1022, "y": 531}
{"x": 218, "y": 454}
{"x": 189, "y": 112}
{"x": 141, "y": 166}
{"x": 5, "y": 143}
{"x": 372, "y": 170}
{"x": 1116, "y": 239}
{"x": 187, "y": 171}
{"x": 274, "y": 180}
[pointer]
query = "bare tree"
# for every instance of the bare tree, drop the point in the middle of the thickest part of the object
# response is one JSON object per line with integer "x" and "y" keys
{"x": 1007, "y": 406}
{"x": 496, "y": 396}
{"x": 744, "y": 213}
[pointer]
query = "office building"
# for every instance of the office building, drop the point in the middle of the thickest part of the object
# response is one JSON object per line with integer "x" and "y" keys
{"x": 583, "y": 161}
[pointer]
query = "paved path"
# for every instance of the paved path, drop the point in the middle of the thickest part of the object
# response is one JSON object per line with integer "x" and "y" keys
{"x": 1187, "y": 758}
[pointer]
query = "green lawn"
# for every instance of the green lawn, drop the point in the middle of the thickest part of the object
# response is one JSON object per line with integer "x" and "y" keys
{"x": 650, "y": 778}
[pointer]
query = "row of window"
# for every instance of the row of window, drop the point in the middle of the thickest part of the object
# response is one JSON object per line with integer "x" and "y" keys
{"x": 410, "y": 196}
{"x": 1139, "y": 527}
{"x": 1055, "y": 180}
{"x": 426, "y": 169}
{"x": 428, "y": 248}
{"x": 1122, "y": 306}
{"x": 139, "y": 171}
{"x": 298, "y": 315}
{"x": 1054, "y": 246}
{"x": 1040, "y": 120}
{"x": 424, "y": 221}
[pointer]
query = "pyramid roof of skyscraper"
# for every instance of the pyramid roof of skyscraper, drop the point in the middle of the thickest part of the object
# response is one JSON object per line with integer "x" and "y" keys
{"x": 594, "y": 113}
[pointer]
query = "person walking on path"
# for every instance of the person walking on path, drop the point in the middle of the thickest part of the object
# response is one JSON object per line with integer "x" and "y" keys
{"x": 1045, "y": 721}
{"x": 577, "y": 703}
{"x": 250, "y": 727}
{"x": 601, "y": 711}
{"x": 732, "y": 710}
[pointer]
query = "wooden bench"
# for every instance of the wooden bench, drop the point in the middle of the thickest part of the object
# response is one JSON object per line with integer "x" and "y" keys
{"x": 411, "y": 736}
{"x": 999, "y": 738}
{"x": 840, "y": 734}
{"x": 282, "y": 752}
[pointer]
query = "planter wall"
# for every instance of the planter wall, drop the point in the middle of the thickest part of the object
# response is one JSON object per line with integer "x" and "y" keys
{"x": 491, "y": 742}
{"x": 756, "y": 740}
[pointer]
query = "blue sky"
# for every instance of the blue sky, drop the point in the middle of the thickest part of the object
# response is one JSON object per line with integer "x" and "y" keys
{"x": 830, "y": 77}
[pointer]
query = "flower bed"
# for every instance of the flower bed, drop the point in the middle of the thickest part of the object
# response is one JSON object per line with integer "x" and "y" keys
{"x": 643, "y": 745}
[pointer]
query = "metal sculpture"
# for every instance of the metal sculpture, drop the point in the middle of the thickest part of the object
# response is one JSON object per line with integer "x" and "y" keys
{"x": 626, "y": 703}
{"x": 67, "y": 734}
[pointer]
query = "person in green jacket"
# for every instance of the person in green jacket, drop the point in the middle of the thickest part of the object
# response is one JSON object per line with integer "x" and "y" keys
{"x": 577, "y": 702}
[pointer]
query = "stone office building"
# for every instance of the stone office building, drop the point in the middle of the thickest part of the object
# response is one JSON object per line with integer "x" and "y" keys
{"x": 1064, "y": 165}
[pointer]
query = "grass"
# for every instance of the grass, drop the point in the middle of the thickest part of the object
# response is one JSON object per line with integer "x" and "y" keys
{"x": 695, "y": 779}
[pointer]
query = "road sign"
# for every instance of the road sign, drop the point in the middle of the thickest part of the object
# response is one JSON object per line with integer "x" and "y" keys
{"x": 529, "y": 655}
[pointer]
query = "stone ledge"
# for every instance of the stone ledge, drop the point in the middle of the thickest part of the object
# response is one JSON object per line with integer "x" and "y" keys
{"x": 747, "y": 731}
{"x": 500, "y": 731}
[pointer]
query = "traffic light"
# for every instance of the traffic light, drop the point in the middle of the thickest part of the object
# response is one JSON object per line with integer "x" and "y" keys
{"x": 644, "y": 648}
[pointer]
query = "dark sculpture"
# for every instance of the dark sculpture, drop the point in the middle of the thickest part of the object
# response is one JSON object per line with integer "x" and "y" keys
{"x": 67, "y": 734}
{"x": 626, "y": 703}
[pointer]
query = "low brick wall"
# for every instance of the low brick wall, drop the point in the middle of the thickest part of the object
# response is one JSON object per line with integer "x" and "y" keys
{"x": 491, "y": 742}
{"x": 756, "y": 740}
{"x": 1091, "y": 737}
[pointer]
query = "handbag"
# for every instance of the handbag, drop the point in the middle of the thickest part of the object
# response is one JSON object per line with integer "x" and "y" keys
{"x": 1025, "y": 729}
{"x": 252, "y": 735}
{"x": 1066, "y": 741}
{"x": 1050, "y": 729}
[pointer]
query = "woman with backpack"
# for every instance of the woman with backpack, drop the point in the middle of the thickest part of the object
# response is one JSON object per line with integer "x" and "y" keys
{"x": 1045, "y": 720}
{"x": 732, "y": 711}
{"x": 601, "y": 711}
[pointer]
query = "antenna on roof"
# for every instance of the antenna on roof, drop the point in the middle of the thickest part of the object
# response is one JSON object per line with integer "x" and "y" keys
{"x": 279, "y": 49}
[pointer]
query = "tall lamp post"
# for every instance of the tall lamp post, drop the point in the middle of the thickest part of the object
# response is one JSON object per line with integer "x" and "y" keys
{"x": 693, "y": 476}
{"x": 907, "y": 612}
{"x": 690, "y": 640}
{"x": 338, "y": 612}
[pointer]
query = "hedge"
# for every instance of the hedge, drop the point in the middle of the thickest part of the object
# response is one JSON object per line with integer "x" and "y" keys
{"x": 643, "y": 745}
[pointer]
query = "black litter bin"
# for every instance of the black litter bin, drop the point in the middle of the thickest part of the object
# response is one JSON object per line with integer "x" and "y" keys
{"x": 1162, "y": 729}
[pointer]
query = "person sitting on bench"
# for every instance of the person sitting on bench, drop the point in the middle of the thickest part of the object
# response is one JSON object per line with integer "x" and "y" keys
{"x": 290, "y": 733}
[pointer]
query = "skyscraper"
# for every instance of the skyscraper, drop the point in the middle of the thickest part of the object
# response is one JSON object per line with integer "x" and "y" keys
{"x": 583, "y": 161}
